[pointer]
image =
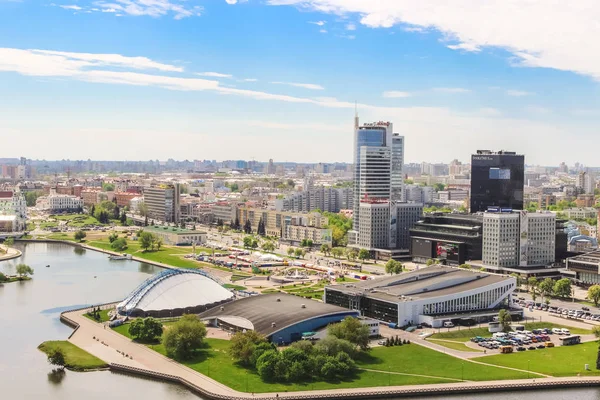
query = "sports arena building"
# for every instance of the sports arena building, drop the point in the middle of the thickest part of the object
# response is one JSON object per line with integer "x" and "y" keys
{"x": 430, "y": 295}
{"x": 282, "y": 318}
{"x": 174, "y": 292}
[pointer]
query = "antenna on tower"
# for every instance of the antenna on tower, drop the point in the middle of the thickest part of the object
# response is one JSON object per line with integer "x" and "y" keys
{"x": 356, "y": 123}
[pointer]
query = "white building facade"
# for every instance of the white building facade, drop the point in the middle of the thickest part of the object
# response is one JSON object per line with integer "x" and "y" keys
{"x": 518, "y": 239}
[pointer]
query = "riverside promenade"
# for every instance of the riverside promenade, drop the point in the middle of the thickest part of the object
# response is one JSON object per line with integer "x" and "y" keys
{"x": 147, "y": 362}
{"x": 10, "y": 253}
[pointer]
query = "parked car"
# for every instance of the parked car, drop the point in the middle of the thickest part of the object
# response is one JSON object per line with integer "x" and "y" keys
{"x": 521, "y": 348}
{"x": 531, "y": 348}
{"x": 557, "y": 331}
{"x": 565, "y": 331}
{"x": 541, "y": 346}
{"x": 585, "y": 308}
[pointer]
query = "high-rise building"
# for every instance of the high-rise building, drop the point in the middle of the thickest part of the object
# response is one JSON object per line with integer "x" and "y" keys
{"x": 518, "y": 239}
{"x": 381, "y": 222}
{"x": 586, "y": 184}
{"x": 372, "y": 168}
{"x": 162, "y": 202}
{"x": 497, "y": 180}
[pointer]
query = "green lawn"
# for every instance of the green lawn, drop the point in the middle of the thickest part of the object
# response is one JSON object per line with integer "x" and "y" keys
{"x": 557, "y": 361}
{"x": 103, "y": 316}
{"x": 76, "y": 358}
{"x": 215, "y": 362}
{"x": 416, "y": 359}
{"x": 62, "y": 236}
{"x": 77, "y": 220}
{"x": 460, "y": 346}
{"x": 234, "y": 287}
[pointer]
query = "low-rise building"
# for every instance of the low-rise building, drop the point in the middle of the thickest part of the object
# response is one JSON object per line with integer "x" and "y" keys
{"x": 124, "y": 198}
{"x": 177, "y": 236}
{"x": 59, "y": 203}
{"x": 431, "y": 295}
{"x": 580, "y": 213}
{"x": 13, "y": 204}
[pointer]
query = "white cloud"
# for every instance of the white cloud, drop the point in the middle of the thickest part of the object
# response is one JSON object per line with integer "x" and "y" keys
{"x": 451, "y": 90}
{"x": 323, "y": 31}
{"x": 319, "y": 23}
{"x": 537, "y": 110}
{"x": 154, "y": 8}
{"x": 109, "y": 10}
{"x": 484, "y": 128}
{"x": 231, "y": 1}
{"x": 250, "y": 80}
{"x": 214, "y": 75}
{"x": 393, "y": 94}
{"x": 71, "y": 7}
{"x": 518, "y": 93}
{"x": 351, "y": 27}
{"x": 311, "y": 86}
{"x": 539, "y": 33}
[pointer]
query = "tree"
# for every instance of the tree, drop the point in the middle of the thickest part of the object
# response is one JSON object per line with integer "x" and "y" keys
{"x": 31, "y": 198}
{"x": 146, "y": 240}
{"x": 505, "y": 319}
{"x": 325, "y": 249}
{"x": 266, "y": 364}
{"x": 184, "y": 337}
{"x": 123, "y": 218}
{"x": 532, "y": 283}
{"x": 247, "y": 227}
{"x": 393, "y": 267}
{"x": 243, "y": 345}
{"x": 23, "y": 270}
{"x": 546, "y": 287}
{"x": 119, "y": 244}
{"x": 596, "y": 331}
{"x": 236, "y": 224}
{"x": 465, "y": 266}
{"x": 93, "y": 210}
{"x": 247, "y": 241}
{"x": 299, "y": 253}
{"x": 57, "y": 357}
{"x": 431, "y": 261}
{"x": 3, "y": 278}
{"x": 108, "y": 187}
{"x": 112, "y": 237}
{"x": 364, "y": 254}
{"x": 146, "y": 221}
{"x": 562, "y": 288}
{"x": 142, "y": 209}
{"x": 290, "y": 251}
{"x": 79, "y": 235}
{"x": 594, "y": 294}
{"x": 352, "y": 330}
{"x": 158, "y": 242}
{"x": 268, "y": 246}
{"x": 116, "y": 212}
{"x": 9, "y": 242}
{"x": 146, "y": 329}
{"x": 518, "y": 278}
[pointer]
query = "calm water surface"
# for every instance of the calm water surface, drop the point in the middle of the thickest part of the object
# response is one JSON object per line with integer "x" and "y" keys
{"x": 29, "y": 314}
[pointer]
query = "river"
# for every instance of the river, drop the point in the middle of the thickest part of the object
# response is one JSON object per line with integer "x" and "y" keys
{"x": 29, "y": 315}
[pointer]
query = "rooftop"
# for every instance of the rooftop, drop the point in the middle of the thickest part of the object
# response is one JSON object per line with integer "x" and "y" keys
{"x": 420, "y": 284}
{"x": 263, "y": 311}
{"x": 171, "y": 229}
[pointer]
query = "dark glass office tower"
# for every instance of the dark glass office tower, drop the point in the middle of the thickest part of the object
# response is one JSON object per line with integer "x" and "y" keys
{"x": 497, "y": 180}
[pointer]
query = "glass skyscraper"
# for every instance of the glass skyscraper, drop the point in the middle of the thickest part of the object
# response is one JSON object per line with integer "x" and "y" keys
{"x": 497, "y": 180}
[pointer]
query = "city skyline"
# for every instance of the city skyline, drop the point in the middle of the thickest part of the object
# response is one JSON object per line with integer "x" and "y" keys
{"x": 200, "y": 78}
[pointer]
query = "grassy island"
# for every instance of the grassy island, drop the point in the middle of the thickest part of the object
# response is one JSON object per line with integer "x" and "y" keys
{"x": 76, "y": 359}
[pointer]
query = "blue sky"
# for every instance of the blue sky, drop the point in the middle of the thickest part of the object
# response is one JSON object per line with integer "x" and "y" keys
{"x": 196, "y": 79}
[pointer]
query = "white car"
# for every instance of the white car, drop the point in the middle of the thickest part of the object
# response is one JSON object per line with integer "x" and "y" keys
{"x": 565, "y": 331}
{"x": 448, "y": 324}
{"x": 557, "y": 331}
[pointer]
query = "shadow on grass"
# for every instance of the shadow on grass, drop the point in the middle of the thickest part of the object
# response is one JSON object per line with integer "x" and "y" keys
{"x": 365, "y": 358}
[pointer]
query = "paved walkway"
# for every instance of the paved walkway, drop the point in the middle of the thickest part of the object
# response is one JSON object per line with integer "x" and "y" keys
{"x": 10, "y": 254}
{"x": 145, "y": 358}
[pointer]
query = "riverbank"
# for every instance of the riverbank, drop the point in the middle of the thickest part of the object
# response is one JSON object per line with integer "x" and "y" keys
{"x": 141, "y": 360}
{"x": 10, "y": 254}
{"x": 76, "y": 359}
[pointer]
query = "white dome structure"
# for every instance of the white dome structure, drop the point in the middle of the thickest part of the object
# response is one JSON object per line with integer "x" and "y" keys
{"x": 174, "y": 292}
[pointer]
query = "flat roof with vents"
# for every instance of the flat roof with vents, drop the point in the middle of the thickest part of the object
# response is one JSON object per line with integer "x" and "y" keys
{"x": 423, "y": 283}
{"x": 269, "y": 313}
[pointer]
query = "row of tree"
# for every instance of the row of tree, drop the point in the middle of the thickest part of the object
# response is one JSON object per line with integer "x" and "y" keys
{"x": 149, "y": 241}
{"x": 546, "y": 288}
{"x": 108, "y": 210}
{"x": 330, "y": 358}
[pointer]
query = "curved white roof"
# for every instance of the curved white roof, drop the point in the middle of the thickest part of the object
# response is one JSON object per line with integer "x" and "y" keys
{"x": 175, "y": 289}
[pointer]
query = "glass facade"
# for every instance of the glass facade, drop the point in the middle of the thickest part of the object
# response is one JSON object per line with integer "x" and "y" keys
{"x": 497, "y": 180}
{"x": 479, "y": 301}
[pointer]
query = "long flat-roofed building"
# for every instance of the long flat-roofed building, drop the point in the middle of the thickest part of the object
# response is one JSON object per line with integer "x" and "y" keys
{"x": 430, "y": 295}
{"x": 586, "y": 267}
